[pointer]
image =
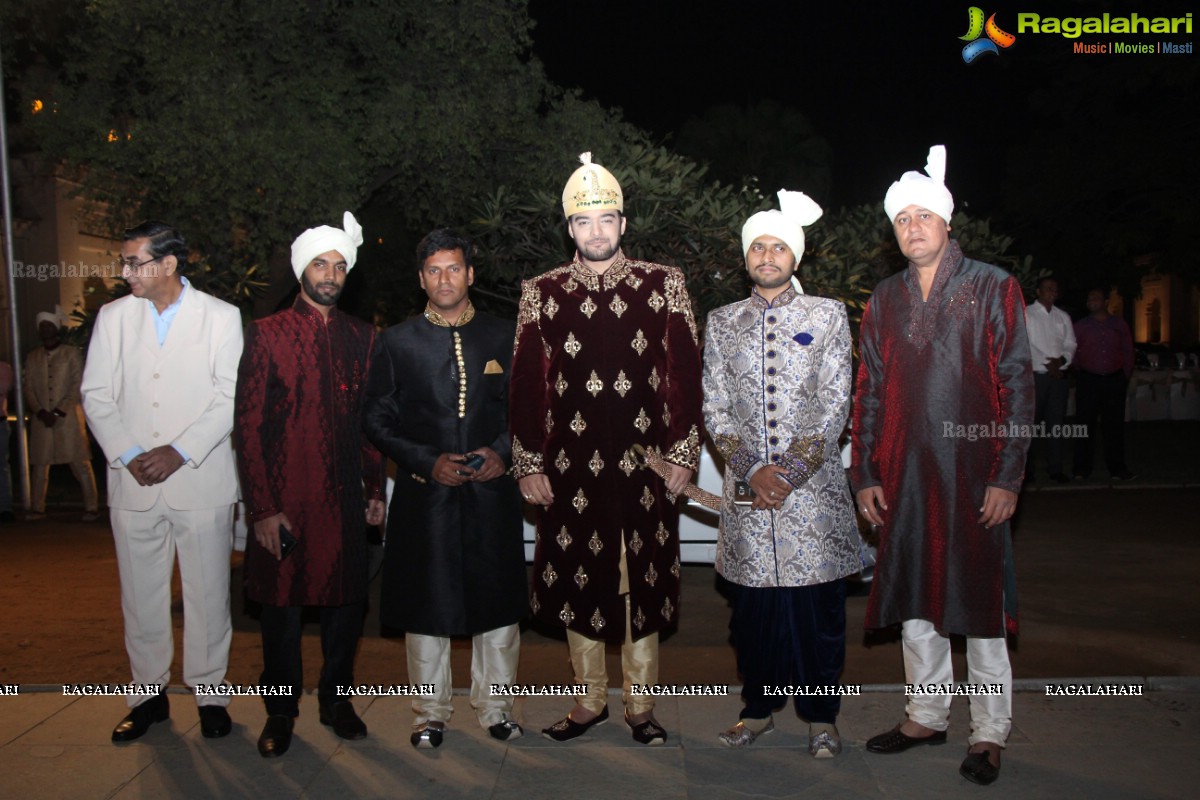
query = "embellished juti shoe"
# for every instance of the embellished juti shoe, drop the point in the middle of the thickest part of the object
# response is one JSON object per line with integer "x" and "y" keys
{"x": 567, "y": 729}
{"x": 505, "y": 730}
{"x": 648, "y": 733}
{"x": 427, "y": 735}
{"x": 741, "y": 735}
{"x": 824, "y": 741}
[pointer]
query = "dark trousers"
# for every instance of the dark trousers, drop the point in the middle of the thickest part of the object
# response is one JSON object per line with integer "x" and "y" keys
{"x": 1101, "y": 396}
{"x": 790, "y": 636}
{"x": 1050, "y": 406}
{"x": 341, "y": 628}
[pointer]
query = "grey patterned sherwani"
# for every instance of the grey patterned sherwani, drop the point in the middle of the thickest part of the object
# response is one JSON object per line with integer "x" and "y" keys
{"x": 777, "y": 391}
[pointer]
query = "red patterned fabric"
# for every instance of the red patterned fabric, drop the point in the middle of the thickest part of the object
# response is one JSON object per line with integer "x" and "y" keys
{"x": 301, "y": 451}
{"x": 939, "y": 378}
{"x": 603, "y": 362}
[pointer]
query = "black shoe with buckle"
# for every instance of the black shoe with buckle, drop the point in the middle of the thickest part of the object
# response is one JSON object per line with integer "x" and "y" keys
{"x": 567, "y": 729}
{"x": 648, "y": 732}
{"x": 141, "y": 717}
{"x": 428, "y": 735}
{"x": 505, "y": 730}
{"x": 215, "y": 722}
{"x": 342, "y": 718}
{"x": 276, "y": 736}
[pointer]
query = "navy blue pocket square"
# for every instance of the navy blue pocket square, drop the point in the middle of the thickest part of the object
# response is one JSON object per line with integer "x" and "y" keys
{"x": 803, "y": 338}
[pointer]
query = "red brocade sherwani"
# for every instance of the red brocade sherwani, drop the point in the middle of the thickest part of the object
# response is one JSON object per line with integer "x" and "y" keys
{"x": 942, "y": 410}
{"x": 603, "y": 362}
{"x": 302, "y": 451}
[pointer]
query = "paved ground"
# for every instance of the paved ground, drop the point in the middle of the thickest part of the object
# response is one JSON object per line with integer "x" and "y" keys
{"x": 1108, "y": 579}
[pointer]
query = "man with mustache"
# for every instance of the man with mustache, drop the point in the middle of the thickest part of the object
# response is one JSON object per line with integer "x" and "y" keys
{"x": 158, "y": 390}
{"x": 944, "y": 349}
{"x": 605, "y": 358}
{"x": 310, "y": 480}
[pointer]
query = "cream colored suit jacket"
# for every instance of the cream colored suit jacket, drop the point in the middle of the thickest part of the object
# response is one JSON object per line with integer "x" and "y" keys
{"x": 137, "y": 393}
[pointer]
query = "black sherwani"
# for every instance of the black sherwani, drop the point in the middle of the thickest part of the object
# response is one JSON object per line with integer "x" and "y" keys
{"x": 454, "y": 563}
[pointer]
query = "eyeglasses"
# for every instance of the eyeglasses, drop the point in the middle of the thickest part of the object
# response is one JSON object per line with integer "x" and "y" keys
{"x": 134, "y": 266}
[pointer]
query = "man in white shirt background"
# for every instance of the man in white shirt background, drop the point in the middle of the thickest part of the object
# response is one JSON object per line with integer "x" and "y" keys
{"x": 1052, "y": 346}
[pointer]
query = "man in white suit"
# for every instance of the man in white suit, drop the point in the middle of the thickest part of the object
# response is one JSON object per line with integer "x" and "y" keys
{"x": 158, "y": 393}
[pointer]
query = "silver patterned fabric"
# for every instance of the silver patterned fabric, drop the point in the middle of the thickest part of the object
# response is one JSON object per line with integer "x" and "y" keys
{"x": 776, "y": 391}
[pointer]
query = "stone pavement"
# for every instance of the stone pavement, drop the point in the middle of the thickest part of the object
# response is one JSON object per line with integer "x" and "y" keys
{"x": 53, "y": 746}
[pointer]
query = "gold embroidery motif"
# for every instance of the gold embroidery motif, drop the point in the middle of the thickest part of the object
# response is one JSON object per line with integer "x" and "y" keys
{"x": 597, "y": 620}
{"x": 635, "y": 543}
{"x": 594, "y": 384}
{"x": 560, "y": 384}
{"x": 572, "y": 345}
{"x": 678, "y": 301}
{"x": 651, "y": 575}
{"x": 647, "y": 498}
{"x": 527, "y": 310}
{"x": 676, "y": 568}
{"x": 618, "y": 306}
{"x": 596, "y": 464}
{"x": 661, "y": 534}
{"x": 639, "y": 619}
{"x": 551, "y": 307}
{"x": 654, "y": 379}
{"x": 570, "y": 285}
{"x": 627, "y": 464}
{"x": 588, "y": 307}
{"x": 562, "y": 462}
{"x": 579, "y": 501}
{"x": 567, "y": 615}
{"x": 666, "y": 415}
{"x": 563, "y": 538}
{"x": 549, "y": 422}
{"x": 466, "y": 316}
{"x": 667, "y": 610}
{"x": 639, "y": 342}
{"x": 686, "y": 452}
{"x": 656, "y": 301}
{"x": 622, "y": 384}
{"x": 594, "y": 544}
{"x": 642, "y": 423}
{"x": 581, "y": 577}
{"x": 549, "y": 575}
{"x": 634, "y": 281}
{"x": 578, "y": 425}
{"x": 535, "y": 604}
{"x": 524, "y": 461}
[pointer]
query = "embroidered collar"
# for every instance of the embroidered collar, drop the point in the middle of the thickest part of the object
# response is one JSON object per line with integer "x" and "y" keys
{"x": 433, "y": 316}
{"x": 782, "y": 299}
{"x": 596, "y": 281}
{"x": 306, "y": 310}
{"x": 951, "y": 261}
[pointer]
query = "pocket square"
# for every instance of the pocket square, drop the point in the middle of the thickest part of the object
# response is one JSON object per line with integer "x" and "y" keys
{"x": 493, "y": 368}
{"x": 803, "y": 338}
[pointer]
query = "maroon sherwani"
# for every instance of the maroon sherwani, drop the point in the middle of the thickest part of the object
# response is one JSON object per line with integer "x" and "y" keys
{"x": 301, "y": 451}
{"x": 603, "y": 362}
{"x": 935, "y": 374}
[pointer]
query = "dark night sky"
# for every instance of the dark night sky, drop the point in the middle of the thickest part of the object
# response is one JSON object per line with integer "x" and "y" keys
{"x": 880, "y": 81}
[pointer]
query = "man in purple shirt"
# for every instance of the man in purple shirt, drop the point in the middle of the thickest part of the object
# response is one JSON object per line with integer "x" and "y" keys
{"x": 1105, "y": 360}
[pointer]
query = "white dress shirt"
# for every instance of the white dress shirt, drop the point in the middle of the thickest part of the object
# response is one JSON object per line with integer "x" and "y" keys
{"x": 1051, "y": 335}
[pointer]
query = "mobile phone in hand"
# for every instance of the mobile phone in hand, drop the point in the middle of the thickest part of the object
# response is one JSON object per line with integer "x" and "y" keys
{"x": 286, "y": 542}
{"x": 474, "y": 461}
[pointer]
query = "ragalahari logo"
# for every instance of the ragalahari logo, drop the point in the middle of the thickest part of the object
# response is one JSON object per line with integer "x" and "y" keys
{"x": 976, "y": 27}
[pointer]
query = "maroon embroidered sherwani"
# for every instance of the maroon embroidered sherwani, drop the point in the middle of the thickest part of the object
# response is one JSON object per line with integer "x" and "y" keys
{"x": 942, "y": 410}
{"x": 301, "y": 451}
{"x": 603, "y": 362}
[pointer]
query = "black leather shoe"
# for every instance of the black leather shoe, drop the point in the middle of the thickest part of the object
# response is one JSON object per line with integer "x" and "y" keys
{"x": 896, "y": 742}
{"x": 215, "y": 722}
{"x": 141, "y": 717}
{"x": 506, "y": 730}
{"x": 276, "y": 736}
{"x": 428, "y": 735}
{"x": 977, "y": 768}
{"x": 567, "y": 729}
{"x": 345, "y": 723}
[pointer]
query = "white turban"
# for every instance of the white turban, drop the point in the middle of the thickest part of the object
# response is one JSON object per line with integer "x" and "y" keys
{"x": 57, "y": 317}
{"x": 315, "y": 241}
{"x": 925, "y": 191}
